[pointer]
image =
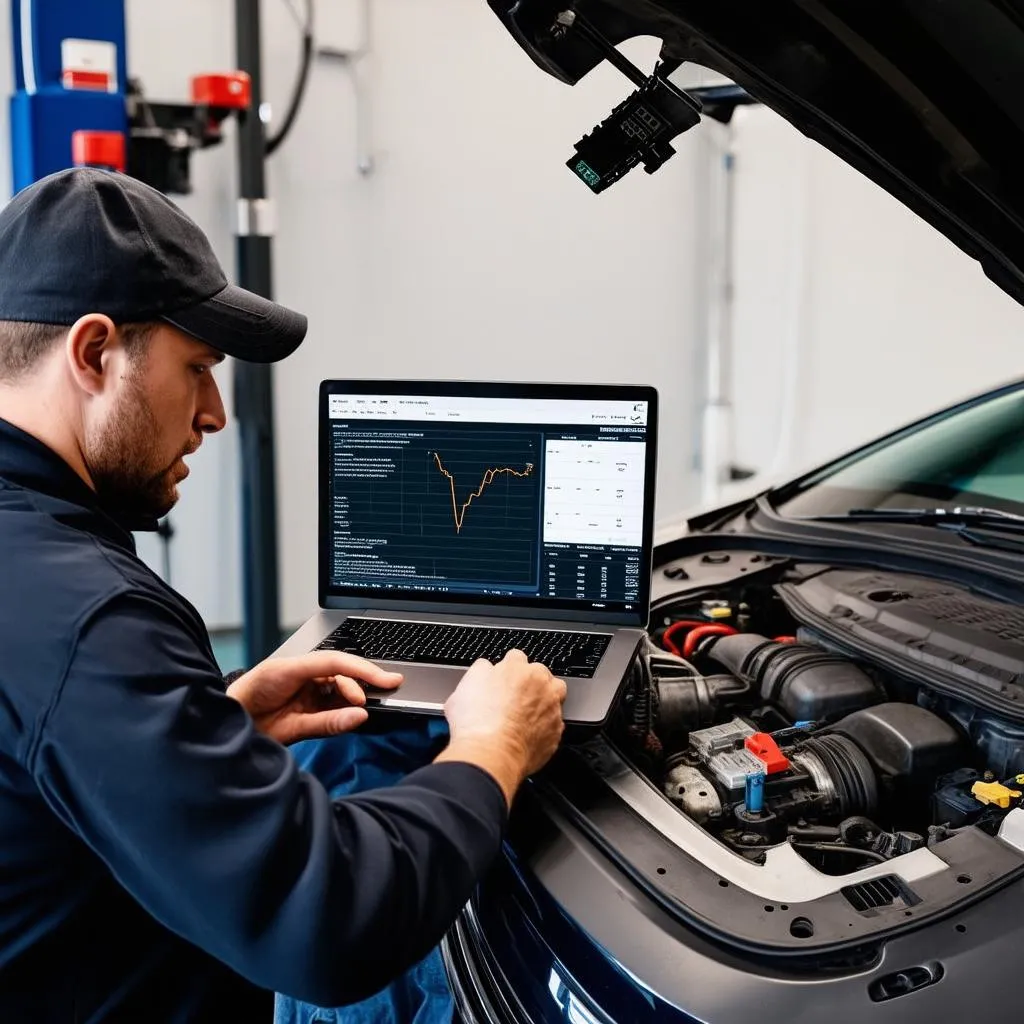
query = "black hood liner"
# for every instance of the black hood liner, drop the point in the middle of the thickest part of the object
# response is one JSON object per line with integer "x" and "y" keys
{"x": 925, "y": 97}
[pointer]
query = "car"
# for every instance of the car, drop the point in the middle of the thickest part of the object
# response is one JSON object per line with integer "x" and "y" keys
{"x": 807, "y": 803}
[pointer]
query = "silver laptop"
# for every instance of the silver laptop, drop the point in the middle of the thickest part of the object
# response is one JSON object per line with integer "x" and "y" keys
{"x": 461, "y": 520}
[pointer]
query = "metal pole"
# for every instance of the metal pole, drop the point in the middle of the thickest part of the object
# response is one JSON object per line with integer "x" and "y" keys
{"x": 254, "y": 404}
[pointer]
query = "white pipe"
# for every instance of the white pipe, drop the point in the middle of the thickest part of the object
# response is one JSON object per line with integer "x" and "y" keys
{"x": 28, "y": 58}
{"x": 717, "y": 420}
{"x": 364, "y": 102}
{"x": 352, "y": 61}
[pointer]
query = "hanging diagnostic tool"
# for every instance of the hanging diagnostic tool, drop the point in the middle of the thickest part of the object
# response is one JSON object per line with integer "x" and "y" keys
{"x": 641, "y": 128}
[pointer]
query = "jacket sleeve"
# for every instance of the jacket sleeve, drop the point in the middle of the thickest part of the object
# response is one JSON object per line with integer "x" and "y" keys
{"x": 214, "y": 830}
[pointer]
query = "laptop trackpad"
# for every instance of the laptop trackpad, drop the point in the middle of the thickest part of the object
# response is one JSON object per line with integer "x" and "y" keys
{"x": 425, "y": 687}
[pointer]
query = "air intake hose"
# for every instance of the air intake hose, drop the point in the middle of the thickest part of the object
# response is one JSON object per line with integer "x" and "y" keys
{"x": 693, "y": 703}
{"x": 809, "y": 684}
{"x": 842, "y": 774}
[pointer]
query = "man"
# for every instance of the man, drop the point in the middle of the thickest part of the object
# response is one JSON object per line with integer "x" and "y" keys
{"x": 162, "y": 857}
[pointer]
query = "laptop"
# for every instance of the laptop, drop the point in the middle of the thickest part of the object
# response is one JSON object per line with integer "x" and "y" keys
{"x": 460, "y": 520}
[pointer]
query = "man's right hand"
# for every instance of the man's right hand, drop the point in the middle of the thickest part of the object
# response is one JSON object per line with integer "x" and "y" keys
{"x": 506, "y": 719}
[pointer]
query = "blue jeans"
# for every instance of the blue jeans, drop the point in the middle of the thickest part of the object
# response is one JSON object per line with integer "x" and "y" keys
{"x": 382, "y": 752}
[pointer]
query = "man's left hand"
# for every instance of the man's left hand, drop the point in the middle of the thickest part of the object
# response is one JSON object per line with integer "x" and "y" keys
{"x": 305, "y": 698}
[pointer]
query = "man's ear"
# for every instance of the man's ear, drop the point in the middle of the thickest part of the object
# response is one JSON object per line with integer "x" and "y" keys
{"x": 91, "y": 349}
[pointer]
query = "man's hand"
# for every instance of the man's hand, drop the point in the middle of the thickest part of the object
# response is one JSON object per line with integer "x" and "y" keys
{"x": 315, "y": 695}
{"x": 506, "y": 719}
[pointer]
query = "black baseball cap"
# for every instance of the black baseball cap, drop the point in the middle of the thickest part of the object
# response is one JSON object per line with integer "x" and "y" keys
{"x": 91, "y": 241}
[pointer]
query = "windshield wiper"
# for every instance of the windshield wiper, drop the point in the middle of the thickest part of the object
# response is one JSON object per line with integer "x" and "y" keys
{"x": 965, "y": 521}
{"x": 968, "y": 515}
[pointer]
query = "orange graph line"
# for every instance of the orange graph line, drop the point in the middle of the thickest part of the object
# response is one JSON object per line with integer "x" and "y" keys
{"x": 460, "y": 513}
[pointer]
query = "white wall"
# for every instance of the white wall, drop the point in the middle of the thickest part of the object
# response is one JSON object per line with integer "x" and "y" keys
{"x": 887, "y": 319}
{"x": 472, "y": 252}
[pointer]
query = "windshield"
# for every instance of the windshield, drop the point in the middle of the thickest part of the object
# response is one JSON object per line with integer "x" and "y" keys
{"x": 972, "y": 456}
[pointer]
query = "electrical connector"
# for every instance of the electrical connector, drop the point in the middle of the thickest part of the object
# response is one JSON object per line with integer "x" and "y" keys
{"x": 994, "y": 793}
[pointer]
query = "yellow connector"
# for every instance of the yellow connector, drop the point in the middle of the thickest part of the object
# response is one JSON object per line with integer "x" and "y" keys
{"x": 720, "y": 613}
{"x": 994, "y": 793}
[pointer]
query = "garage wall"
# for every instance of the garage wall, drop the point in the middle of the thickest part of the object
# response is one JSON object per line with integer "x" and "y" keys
{"x": 471, "y": 251}
{"x": 853, "y": 316}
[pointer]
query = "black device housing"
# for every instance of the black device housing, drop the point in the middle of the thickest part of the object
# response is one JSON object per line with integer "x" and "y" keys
{"x": 638, "y": 130}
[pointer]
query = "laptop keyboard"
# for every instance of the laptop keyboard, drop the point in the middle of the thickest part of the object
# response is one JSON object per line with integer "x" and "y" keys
{"x": 565, "y": 654}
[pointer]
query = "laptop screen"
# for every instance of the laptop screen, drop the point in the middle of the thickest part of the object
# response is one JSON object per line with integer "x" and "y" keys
{"x": 540, "y": 499}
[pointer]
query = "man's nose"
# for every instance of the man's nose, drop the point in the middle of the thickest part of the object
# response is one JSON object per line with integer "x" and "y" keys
{"x": 210, "y": 415}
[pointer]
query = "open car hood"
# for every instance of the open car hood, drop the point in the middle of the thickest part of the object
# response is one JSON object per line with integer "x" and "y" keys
{"x": 925, "y": 97}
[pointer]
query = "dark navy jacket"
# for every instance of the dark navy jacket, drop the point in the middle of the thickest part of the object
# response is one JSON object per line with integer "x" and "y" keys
{"x": 155, "y": 850}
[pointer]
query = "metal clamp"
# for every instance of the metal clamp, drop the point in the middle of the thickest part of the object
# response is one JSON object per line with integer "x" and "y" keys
{"x": 256, "y": 217}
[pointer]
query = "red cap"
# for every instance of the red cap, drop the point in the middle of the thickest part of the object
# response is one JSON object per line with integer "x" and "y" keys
{"x": 98, "y": 149}
{"x": 228, "y": 92}
{"x": 764, "y": 748}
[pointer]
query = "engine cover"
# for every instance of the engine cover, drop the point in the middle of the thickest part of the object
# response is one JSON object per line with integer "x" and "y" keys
{"x": 941, "y": 634}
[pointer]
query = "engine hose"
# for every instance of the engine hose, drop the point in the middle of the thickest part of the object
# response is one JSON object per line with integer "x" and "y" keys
{"x": 836, "y": 848}
{"x": 641, "y": 698}
{"x": 849, "y": 775}
{"x": 808, "y": 684}
{"x": 680, "y": 626}
{"x": 644, "y": 713}
{"x": 857, "y": 831}
{"x": 686, "y": 704}
{"x": 814, "y": 833}
{"x": 695, "y": 636}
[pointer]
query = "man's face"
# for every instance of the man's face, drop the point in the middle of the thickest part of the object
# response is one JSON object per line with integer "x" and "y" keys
{"x": 167, "y": 400}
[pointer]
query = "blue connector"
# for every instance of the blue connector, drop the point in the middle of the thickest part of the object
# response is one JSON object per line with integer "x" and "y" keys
{"x": 754, "y": 795}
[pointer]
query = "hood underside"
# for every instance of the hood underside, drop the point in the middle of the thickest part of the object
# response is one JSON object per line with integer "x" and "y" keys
{"x": 925, "y": 97}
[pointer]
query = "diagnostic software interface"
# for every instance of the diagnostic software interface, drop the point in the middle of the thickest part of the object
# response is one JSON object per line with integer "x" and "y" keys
{"x": 529, "y": 498}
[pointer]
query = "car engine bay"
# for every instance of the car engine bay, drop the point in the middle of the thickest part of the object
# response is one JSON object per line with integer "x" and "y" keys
{"x": 855, "y": 715}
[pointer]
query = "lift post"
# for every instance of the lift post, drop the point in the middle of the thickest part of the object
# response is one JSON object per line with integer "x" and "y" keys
{"x": 254, "y": 398}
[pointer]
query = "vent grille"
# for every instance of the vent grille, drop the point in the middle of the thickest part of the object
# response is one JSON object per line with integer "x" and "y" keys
{"x": 887, "y": 891}
{"x": 1006, "y": 623}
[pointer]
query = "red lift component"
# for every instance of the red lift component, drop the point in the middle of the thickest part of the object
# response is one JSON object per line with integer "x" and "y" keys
{"x": 164, "y": 135}
{"x": 99, "y": 149}
{"x": 223, "y": 92}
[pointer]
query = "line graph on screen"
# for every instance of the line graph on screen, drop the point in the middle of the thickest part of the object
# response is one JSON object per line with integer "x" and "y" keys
{"x": 490, "y": 475}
